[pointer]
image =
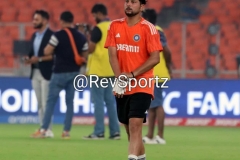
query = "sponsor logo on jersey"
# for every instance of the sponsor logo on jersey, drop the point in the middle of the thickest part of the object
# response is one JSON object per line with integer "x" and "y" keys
{"x": 128, "y": 48}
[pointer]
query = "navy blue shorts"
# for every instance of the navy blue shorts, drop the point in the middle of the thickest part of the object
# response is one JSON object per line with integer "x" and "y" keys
{"x": 158, "y": 97}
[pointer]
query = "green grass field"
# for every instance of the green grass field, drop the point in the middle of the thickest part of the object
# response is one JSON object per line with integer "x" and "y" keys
{"x": 183, "y": 143}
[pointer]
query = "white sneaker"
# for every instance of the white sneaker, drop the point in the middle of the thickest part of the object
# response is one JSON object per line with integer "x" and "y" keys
{"x": 49, "y": 134}
{"x": 147, "y": 140}
{"x": 159, "y": 140}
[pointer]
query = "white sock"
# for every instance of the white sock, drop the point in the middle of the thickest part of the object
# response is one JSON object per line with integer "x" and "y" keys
{"x": 132, "y": 157}
{"x": 142, "y": 157}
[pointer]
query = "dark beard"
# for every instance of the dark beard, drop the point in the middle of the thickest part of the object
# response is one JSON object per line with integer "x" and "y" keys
{"x": 38, "y": 26}
{"x": 131, "y": 14}
{"x": 97, "y": 20}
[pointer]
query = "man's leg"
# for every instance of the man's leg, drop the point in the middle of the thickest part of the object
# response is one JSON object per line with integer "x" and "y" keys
{"x": 36, "y": 85}
{"x": 45, "y": 89}
{"x": 53, "y": 95}
{"x": 160, "y": 120}
{"x": 139, "y": 104}
{"x": 97, "y": 98}
{"x": 136, "y": 143}
{"x": 69, "y": 98}
{"x": 127, "y": 131}
{"x": 112, "y": 113}
{"x": 151, "y": 122}
{"x": 98, "y": 101}
{"x": 55, "y": 86}
{"x": 160, "y": 115}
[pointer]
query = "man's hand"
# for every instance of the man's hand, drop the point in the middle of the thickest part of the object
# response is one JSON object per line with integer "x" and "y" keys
{"x": 119, "y": 88}
{"x": 34, "y": 60}
{"x": 124, "y": 75}
{"x": 26, "y": 60}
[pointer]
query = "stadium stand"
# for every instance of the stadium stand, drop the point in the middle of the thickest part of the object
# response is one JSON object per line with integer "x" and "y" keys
{"x": 197, "y": 38}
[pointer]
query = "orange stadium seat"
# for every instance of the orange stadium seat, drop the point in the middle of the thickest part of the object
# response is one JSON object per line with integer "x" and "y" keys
{"x": 231, "y": 6}
{"x": 36, "y": 5}
{"x": 29, "y": 30}
{"x": 5, "y": 4}
{"x": 196, "y": 76}
{"x": 3, "y": 63}
{"x": 224, "y": 19}
{"x": 206, "y": 19}
{"x": 13, "y": 32}
{"x": 52, "y": 4}
{"x": 8, "y": 14}
{"x": 71, "y": 4}
{"x": 9, "y": 61}
{"x": 78, "y": 17}
{"x": 213, "y": 5}
{"x": 6, "y": 46}
{"x": 168, "y": 3}
{"x": 56, "y": 14}
{"x": 3, "y": 31}
{"x": 234, "y": 13}
{"x": 25, "y": 15}
{"x": 21, "y": 5}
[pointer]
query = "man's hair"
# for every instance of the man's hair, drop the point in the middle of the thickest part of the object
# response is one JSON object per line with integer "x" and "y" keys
{"x": 99, "y": 7}
{"x": 43, "y": 14}
{"x": 143, "y": 1}
{"x": 67, "y": 16}
{"x": 150, "y": 15}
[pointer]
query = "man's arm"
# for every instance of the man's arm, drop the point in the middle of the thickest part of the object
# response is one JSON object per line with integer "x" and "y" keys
{"x": 114, "y": 61}
{"x": 168, "y": 58}
{"x": 31, "y": 52}
{"x": 92, "y": 47}
{"x": 48, "y": 50}
{"x": 84, "y": 50}
{"x": 166, "y": 51}
{"x": 152, "y": 61}
{"x": 96, "y": 36}
{"x": 153, "y": 47}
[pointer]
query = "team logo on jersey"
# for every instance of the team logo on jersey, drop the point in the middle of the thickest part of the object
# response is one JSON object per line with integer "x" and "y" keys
{"x": 136, "y": 38}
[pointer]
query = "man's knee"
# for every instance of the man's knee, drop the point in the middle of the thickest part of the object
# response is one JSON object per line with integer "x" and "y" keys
{"x": 135, "y": 124}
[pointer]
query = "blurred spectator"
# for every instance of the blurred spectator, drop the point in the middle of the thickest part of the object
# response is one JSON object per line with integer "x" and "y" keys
{"x": 41, "y": 65}
{"x": 64, "y": 71}
{"x": 162, "y": 69}
{"x": 191, "y": 11}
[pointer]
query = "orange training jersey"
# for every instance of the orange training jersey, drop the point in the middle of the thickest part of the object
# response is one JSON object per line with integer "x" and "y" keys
{"x": 134, "y": 45}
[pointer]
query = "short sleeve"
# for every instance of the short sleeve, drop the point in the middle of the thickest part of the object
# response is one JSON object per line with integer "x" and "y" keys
{"x": 54, "y": 40}
{"x": 96, "y": 35}
{"x": 153, "y": 41}
{"x": 83, "y": 43}
{"x": 110, "y": 41}
{"x": 85, "y": 47}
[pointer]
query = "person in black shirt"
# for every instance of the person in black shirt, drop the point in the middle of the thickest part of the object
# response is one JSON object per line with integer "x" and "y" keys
{"x": 64, "y": 71}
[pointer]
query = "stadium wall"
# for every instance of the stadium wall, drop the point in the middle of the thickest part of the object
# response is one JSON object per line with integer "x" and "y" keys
{"x": 188, "y": 102}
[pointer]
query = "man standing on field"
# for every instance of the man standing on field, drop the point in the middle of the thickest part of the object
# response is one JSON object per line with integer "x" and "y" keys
{"x": 136, "y": 60}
